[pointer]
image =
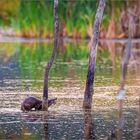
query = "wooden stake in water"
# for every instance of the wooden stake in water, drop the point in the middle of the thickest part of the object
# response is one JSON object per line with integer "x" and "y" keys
{"x": 121, "y": 93}
{"x": 125, "y": 61}
{"x": 92, "y": 56}
{"x": 51, "y": 61}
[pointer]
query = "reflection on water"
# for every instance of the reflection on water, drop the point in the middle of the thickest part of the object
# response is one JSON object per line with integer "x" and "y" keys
{"x": 137, "y": 124}
{"x": 120, "y": 120}
{"x": 21, "y": 74}
{"x": 88, "y": 125}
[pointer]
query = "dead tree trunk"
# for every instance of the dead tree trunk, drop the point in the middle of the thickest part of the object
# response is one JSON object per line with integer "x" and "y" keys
{"x": 125, "y": 61}
{"x": 92, "y": 56}
{"x": 121, "y": 92}
{"x": 50, "y": 63}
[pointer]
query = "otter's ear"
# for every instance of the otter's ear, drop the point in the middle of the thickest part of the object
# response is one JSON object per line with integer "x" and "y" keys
{"x": 38, "y": 106}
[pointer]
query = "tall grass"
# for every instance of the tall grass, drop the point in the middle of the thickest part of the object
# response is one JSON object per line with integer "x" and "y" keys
{"x": 34, "y": 18}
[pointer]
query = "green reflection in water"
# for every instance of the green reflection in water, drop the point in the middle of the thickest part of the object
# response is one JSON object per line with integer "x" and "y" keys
{"x": 27, "y": 61}
{"x": 71, "y": 62}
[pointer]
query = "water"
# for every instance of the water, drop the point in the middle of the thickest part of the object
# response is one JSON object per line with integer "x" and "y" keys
{"x": 22, "y": 67}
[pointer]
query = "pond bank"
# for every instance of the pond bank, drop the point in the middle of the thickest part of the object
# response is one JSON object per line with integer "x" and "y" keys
{"x": 6, "y": 38}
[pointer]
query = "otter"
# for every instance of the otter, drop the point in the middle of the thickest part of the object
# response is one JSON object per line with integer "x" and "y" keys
{"x": 32, "y": 102}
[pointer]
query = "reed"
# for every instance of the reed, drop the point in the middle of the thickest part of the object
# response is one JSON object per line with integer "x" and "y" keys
{"x": 34, "y": 18}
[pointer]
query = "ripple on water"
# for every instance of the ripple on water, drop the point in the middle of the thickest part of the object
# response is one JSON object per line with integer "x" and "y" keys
{"x": 66, "y": 119}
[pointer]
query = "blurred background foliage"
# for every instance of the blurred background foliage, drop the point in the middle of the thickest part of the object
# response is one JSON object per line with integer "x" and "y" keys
{"x": 27, "y": 61}
{"x": 34, "y": 18}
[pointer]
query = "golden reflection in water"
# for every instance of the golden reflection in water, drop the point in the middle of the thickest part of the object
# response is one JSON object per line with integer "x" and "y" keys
{"x": 88, "y": 125}
{"x": 137, "y": 125}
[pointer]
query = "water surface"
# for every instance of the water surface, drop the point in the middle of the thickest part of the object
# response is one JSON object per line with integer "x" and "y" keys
{"x": 22, "y": 67}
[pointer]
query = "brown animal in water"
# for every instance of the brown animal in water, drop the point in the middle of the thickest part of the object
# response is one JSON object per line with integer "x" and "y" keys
{"x": 32, "y": 102}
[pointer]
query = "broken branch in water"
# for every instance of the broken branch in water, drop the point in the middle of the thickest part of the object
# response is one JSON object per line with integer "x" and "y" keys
{"x": 118, "y": 133}
{"x": 121, "y": 92}
{"x": 125, "y": 61}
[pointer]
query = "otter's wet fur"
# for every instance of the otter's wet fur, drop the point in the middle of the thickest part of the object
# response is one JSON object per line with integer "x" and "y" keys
{"x": 34, "y": 103}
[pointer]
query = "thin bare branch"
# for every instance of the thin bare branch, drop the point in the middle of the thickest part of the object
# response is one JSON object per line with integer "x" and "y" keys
{"x": 51, "y": 61}
{"x": 92, "y": 56}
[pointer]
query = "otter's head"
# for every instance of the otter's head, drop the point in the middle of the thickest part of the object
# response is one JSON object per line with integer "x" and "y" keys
{"x": 52, "y": 101}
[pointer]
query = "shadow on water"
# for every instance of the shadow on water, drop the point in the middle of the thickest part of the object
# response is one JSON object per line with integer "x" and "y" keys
{"x": 89, "y": 128}
{"x": 137, "y": 124}
{"x": 21, "y": 74}
{"x": 117, "y": 133}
